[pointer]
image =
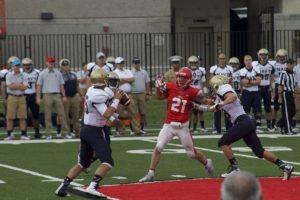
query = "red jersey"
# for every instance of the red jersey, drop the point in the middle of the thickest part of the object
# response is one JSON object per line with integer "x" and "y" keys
{"x": 179, "y": 102}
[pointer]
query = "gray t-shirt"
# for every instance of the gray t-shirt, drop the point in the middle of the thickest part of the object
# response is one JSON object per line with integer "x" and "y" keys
{"x": 141, "y": 77}
{"x": 50, "y": 81}
{"x": 20, "y": 78}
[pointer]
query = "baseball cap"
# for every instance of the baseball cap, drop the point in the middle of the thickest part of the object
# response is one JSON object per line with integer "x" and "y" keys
{"x": 136, "y": 60}
{"x": 16, "y": 62}
{"x": 50, "y": 59}
{"x": 119, "y": 60}
{"x": 100, "y": 54}
{"x": 175, "y": 58}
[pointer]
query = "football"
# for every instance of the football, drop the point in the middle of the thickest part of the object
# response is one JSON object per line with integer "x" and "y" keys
{"x": 125, "y": 100}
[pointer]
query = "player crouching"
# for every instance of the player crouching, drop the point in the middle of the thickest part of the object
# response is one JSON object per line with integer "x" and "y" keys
{"x": 180, "y": 97}
{"x": 243, "y": 128}
{"x": 92, "y": 137}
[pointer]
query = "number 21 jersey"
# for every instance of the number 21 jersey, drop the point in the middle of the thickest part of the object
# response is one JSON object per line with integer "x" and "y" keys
{"x": 179, "y": 102}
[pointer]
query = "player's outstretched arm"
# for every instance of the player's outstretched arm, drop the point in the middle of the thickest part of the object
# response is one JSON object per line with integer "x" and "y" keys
{"x": 160, "y": 88}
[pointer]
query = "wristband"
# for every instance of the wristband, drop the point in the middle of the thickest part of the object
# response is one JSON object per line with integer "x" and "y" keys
{"x": 203, "y": 108}
{"x": 115, "y": 103}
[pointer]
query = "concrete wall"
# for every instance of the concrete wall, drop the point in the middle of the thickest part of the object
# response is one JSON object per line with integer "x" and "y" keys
{"x": 201, "y": 13}
{"x": 88, "y": 16}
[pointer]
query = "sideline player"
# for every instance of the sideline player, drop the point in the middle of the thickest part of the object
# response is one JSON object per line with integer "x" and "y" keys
{"x": 243, "y": 128}
{"x": 180, "y": 97}
{"x": 267, "y": 78}
{"x": 220, "y": 69}
{"x": 250, "y": 79}
{"x": 92, "y": 137}
{"x": 198, "y": 82}
{"x": 234, "y": 62}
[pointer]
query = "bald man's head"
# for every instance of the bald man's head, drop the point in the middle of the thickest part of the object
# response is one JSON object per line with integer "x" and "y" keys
{"x": 241, "y": 185}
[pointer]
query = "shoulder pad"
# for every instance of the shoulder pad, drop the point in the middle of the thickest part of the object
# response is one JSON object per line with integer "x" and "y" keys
{"x": 223, "y": 89}
{"x": 109, "y": 92}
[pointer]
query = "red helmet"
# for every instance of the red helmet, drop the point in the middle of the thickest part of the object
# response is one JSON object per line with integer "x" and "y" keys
{"x": 184, "y": 77}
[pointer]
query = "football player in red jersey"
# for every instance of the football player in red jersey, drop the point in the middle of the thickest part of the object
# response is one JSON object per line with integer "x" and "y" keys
{"x": 180, "y": 98}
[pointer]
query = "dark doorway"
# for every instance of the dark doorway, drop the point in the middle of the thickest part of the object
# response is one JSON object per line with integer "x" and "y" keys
{"x": 238, "y": 32}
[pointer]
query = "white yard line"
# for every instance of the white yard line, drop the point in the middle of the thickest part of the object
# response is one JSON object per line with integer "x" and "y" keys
{"x": 2, "y": 182}
{"x": 51, "y": 178}
{"x": 219, "y": 152}
{"x": 26, "y": 171}
{"x": 80, "y": 179}
{"x": 60, "y": 141}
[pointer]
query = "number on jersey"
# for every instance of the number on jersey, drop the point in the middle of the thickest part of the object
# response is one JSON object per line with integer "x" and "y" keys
{"x": 178, "y": 105}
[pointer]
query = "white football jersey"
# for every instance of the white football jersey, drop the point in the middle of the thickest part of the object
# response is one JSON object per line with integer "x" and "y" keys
{"x": 96, "y": 102}
{"x": 236, "y": 80}
{"x": 266, "y": 72}
{"x": 279, "y": 67}
{"x": 32, "y": 78}
{"x": 234, "y": 109}
{"x": 250, "y": 74}
{"x": 198, "y": 77}
{"x": 225, "y": 71}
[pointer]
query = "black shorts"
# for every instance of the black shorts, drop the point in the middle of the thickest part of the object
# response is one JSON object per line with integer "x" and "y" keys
{"x": 265, "y": 94}
{"x": 93, "y": 139}
{"x": 251, "y": 99}
{"x": 243, "y": 128}
{"x": 32, "y": 105}
{"x": 276, "y": 95}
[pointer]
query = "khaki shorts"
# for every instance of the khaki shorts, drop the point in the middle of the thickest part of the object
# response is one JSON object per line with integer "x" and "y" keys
{"x": 16, "y": 107}
{"x": 297, "y": 104}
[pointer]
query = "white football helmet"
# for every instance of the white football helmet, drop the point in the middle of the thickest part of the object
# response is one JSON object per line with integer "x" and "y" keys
{"x": 234, "y": 62}
{"x": 216, "y": 81}
{"x": 99, "y": 77}
{"x": 193, "y": 62}
{"x": 281, "y": 56}
{"x": 263, "y": 55}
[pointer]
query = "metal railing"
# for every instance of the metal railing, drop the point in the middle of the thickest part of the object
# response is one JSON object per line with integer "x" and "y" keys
{"x": 154, "y": 49}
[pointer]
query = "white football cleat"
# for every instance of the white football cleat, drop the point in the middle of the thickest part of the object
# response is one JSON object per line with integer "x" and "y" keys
{"x": 209, "y": 168}
{"x": 68, "y": 137}
{"x": 25, "y": 137}
{"x": 49, "y": 138}
{"x": 203, "y": 129}
{"x": 91, "y": 189}
{"x": 271, "y": 130}
{"x": 287, "y": 172}
{"x": 258, "y": 129}
{"x": 231, "y": 170}
{"x": 148, "y": 178}
{"x": 9, "y": 138}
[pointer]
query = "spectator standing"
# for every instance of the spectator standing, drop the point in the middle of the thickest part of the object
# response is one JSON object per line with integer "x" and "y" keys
{"x": 100, "y": 62}
{"x": 73, "y": 94}
{"x": 16, "y": 83}
{"x": 297, "y": 91}
{"x": 140, "y": 90}
{"x": 170, "y": 75}
{"x": 82, "y": 77}
{"x": 126, "y": 79}
{"x": 51, "y": 84}
{"x": 30, "y": 94}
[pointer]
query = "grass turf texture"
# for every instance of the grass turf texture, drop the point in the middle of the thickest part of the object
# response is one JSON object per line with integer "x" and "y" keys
{"x": 55, "y": 159}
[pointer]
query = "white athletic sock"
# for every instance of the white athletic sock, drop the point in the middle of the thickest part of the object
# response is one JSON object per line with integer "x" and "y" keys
{"x": 151, "y": 172}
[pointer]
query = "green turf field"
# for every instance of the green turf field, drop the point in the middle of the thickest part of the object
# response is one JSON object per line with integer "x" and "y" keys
{"x": 31, "y": 170}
